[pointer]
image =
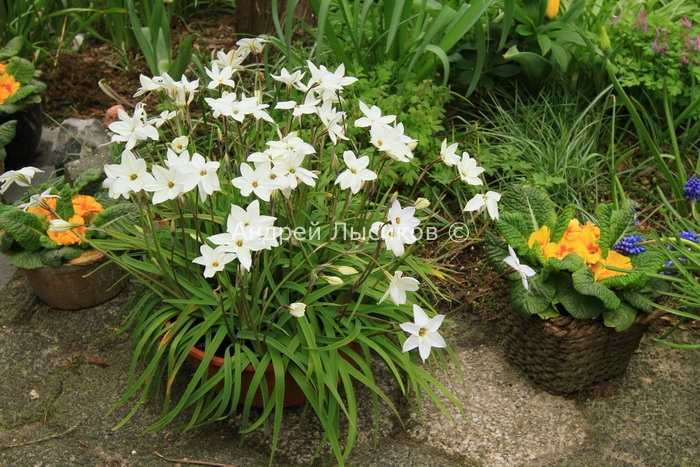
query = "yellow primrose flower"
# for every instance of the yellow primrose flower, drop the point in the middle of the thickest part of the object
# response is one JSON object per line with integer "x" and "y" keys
{"x": 589, "y": 228}
{"x": 573, "y": 232}
{"x": 558, "y": 250}
{"x": 542, "y": 237}
{"x": 590, "y": 251}
{"x": 8, "y": 87}
{"x": 614, "y": 259}
{"x": 2, "y": 67}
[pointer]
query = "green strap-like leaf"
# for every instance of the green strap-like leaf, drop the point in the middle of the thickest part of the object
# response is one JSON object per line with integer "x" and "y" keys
{"x": 21, "y": 69}
{"x": 515, "y": 229}
{"x": 534, "y": 204}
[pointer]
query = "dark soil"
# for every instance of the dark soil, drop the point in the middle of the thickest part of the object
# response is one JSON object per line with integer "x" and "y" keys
{"x": 73, "y": 77}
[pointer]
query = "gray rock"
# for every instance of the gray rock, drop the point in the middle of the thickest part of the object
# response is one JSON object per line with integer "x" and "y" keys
{"x": 73, "y": 169}
{"x": 79, "y": 139}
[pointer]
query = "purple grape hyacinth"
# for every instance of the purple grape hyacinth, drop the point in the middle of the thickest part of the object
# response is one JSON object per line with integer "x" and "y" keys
{"x": 685, "y": 235}
{"x": 629, "y": 245}
{"x": 689, "y": 235}
{"x": 692, "y": 189}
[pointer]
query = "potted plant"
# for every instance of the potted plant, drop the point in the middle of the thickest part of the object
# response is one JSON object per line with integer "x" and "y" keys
{"x": 266, "y": 247}
{"x": 20, "y": 101}
{"x": 580, "y": 291}
{"x": 45, "y": 236}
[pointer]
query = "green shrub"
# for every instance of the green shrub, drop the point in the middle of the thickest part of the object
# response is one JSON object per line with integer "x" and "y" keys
{"x": 657, "y": 50}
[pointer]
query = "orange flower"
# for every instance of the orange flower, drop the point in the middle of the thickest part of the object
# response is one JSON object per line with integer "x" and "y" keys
{"x": 40, "y": 211}
{"x": 85, "y": 206}
{"x": 614, "y": 259}
{"x": 2, "y": 67}
{"x": 69, "y": 237}
{"x": 8, "y": 87}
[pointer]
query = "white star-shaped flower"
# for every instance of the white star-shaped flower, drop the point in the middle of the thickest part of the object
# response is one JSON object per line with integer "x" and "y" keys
{"x": 128, "y": 176}
{"x": 524, "y": 270}
{"x": 481, "y": 201}
{"x": 256, "y": 181}
{"x": 398, "y": 287}
{"x": 132, "y": 129}
{"x": 448, "y": 154}
{"x": 373, "y": 116}
{"x": 356, "y": 173}
{"x": 423, "y": 333}
{"x": 179, "y": 144}
{"x": 297, "y": 309}
{"x": 288, "y": 78}
{"x": 166, "y": 184}
{"x": 22, "y": 177}
{"x": 213, "y": 259}
{"x": 469, "y": 170}
{"x": 220, "y": 77}
{"x": 205, "y": 174}
{"x": 38, "y": 200}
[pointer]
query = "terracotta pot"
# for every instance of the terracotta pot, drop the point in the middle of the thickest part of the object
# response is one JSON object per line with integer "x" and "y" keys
{"x": 65, "y": 288}
{"x": 293, "y": 394}
{"x": 21, "y": 150}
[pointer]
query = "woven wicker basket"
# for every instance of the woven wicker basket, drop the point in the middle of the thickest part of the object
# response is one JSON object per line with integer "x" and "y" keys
{"x": 565, "y": 355}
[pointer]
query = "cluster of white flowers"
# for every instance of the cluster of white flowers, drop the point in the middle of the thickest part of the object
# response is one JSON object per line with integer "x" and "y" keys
{"x": 280, "y": 167}
{"x": 246, "y": 231}
{"x": 181, "y": 175}
{"x": 469, "y": 171}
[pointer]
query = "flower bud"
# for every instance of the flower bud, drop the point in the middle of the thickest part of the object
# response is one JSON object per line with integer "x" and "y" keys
{"x": 333, "y": 280}
{"x": 297, "y": 309}
{"x": 604, "y": 39}
{"x": 552, "y": 9}
{"x": 345, "y": 270}
{"x": 421, "y": 203}
{"x": 59, "y": 225}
